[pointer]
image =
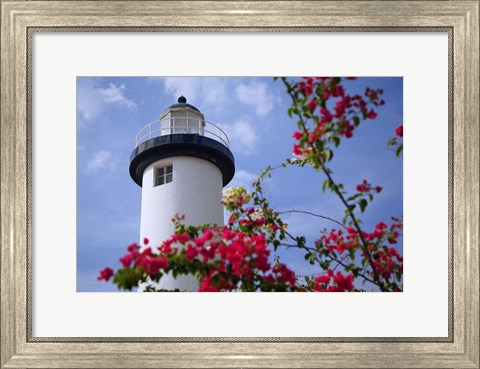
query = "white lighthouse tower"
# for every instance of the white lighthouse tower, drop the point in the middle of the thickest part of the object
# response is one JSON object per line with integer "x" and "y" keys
{"x": 182, "y": 162}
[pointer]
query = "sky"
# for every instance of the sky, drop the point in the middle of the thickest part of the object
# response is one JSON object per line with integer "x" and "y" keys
{"x": 253, "y": 113}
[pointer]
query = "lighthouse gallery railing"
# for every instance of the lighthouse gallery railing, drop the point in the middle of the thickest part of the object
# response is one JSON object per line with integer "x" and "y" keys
{"x": 176, "y": 125}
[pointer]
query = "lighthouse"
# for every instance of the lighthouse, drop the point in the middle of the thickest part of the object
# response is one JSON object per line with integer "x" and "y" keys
{"x": 181, "y": 162}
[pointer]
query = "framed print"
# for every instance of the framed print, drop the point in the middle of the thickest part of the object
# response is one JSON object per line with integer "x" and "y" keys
{"x": 53, "y": 52}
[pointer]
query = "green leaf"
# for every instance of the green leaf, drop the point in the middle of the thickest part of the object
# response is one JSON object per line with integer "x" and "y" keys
{"x": 399, "y": 150}
{"x": 325, "y": 264}
{"x": 363, "y": 204}
{"x": 328, "y": 154}
{"x": 325, "y": 185}
{"x": 291, "y": 111}
{"x": 353, "y": 197}
{"x": 301, "y": 241}
{"x": 356, "y": 120}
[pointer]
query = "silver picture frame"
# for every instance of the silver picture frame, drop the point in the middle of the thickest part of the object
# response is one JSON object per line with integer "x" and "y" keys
{"x": 20, "y": 20}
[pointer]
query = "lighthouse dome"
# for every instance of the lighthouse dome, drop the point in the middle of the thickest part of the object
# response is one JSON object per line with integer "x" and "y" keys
{"x": 182, "y": 103}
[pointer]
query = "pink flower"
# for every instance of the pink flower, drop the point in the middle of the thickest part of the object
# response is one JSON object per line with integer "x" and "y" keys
{"x": 312, "y": 105}
{"x": 371, "y": 114}
{"x": 363, "y": 187}
{"x": 105, "y": 274}
{"x": 207, "y": 286}
{"x": 228, "y": 234}
{"x": 351, "y": 230}
{"x": 323, "y": 279}
{"x": 191, "y": 253}
{"x": 343, "y": 282}
{"x": 340, "y": 108}
{"x": 133, "y": 247}
{"x": 152, "y": 265}
{"x": 297, "y": 135}
{"x": 207, "y": 235}
{"x": 338, "y": 91}
{"x": 306, "y": 88}
{"x": 127, "y": 259}
{"x": 399, "y": 131}
{"x": 297, "y": 151}
{"x": 327, "y": 117}
{"x": 184, "y": 237}
{"x": 381, "y": 226}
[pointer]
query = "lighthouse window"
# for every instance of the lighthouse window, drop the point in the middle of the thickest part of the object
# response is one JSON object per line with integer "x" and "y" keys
{"x": 163, "y": 175}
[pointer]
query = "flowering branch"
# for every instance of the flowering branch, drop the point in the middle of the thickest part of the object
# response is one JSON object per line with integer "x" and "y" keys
{"x": 314, "y": 141}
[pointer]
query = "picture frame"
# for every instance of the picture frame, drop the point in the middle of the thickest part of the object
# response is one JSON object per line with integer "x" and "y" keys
{"x": 20, "y": 19}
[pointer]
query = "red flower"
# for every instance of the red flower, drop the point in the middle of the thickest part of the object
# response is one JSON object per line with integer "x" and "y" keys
{"x": 207, "y": 286}
{"x": 323, "y": 279}
{"x": 152, "y": 265}
{"x": 133, "y": 247}
{"x": 127, "y": 259}
{"x": 343, "y": 282}
{"x": 312, "y": 105}
{"x": 297, "y": 151}
{"x": 184, "y": 237}
{"x": 105, "y": 274}
{"x": 306, "y": 88}
{"x": 340, "y": 108}
{"x": 297, "y": 135}
{"x": 381, "y": 226}
{"x": 351, "y": 230}
{"x": 145, "y": 241}
{"x": 363, "y": 187}
{"x": 191, "y": 253}
{"x": 399, "y": 131}
{"x": 207, "y": 235}
{"x": 228, "y": 234}
{"x": 371, "y": 114}
{"x": 326, "y": 115}
{"x": 338, "y": 91}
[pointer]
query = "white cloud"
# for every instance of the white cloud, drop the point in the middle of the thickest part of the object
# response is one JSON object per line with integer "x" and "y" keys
{"x": 256, "y": 94}
{"x": 115, "y": 95}
{"x": 89, "y": 103}
{"x": 217, "y": 92}
{"x": 92, "y": 99}
{"x": 242, "y": 136}
{"x": 100, "y": 160}
{"x": 242, "y": 178}
{"x": 201, "y": 91}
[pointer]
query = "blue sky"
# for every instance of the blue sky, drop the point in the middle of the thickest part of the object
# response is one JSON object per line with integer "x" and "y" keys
{"x": 253, "y": 113}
